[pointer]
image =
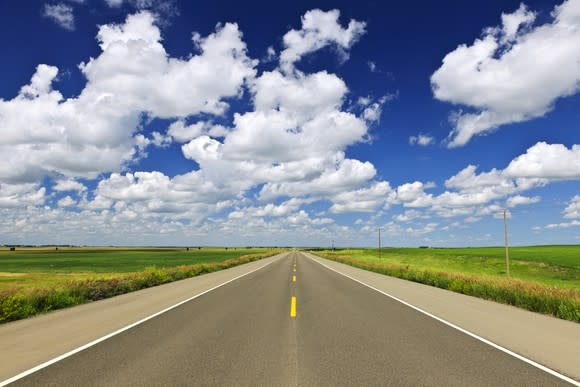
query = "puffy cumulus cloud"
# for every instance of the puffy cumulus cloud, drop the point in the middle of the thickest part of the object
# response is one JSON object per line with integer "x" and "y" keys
{"x": 472, "y": 195}
{"x": 43, "y": 133}
{"x": 410, "y": 215}
{"x": 270, "y": 209}
{"x": 181, "y": 132}
{"x": 303, "y": 218}
{"x": 547, "y": 161}
{"x": 362, "y": 200}
{"x": 289, "y": 146}
{"x": 67, "y": 201}
{"x": 134, "y": 70}
{"x": 513, "y": 73}
{"x": 319, "y": 29}
{"x": 421, "y": 139}
{"x": 572, "y": 211}
{"x": 153, "y": 194}
{"x": 21, "y": 195}
{"x": 293, "y": 141}
{"x": 372, "y": 112}
{"x": 345, "y": 175}
{"x": 519, "y": 200}
{"x": 413, "y": 195}
{"x": 64, "y": 185}
{"x": 62, "y": 14}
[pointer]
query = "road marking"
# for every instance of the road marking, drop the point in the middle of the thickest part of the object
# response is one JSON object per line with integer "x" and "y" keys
{"x": 101, "y": 339}
{"x": 293, "y": 278}
{"x": 293, "y": 307}
{"x": 450, "y": 324}
{"x": 294, "y": 270}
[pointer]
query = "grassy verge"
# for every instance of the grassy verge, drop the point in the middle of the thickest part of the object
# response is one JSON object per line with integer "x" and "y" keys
{"x": 18, "y": 303}
{"x": 559, "y": 301}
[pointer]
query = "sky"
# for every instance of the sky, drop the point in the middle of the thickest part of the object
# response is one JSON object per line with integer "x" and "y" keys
{"x": 141, "y": 122}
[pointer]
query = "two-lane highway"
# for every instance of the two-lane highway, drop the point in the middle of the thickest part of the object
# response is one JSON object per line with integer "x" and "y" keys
{"x": 293, "y": 322}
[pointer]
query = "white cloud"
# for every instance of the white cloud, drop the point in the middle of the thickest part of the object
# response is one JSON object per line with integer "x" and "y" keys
{"x": 43, "y": 133}
{"x": 372, "y": 66}
{"x": 345, "y": 175}
{"x": 572, "y": 211}
{"x": 64, "y": 185}
{"x": 421, "y": 139}
{"x": 270, "y": 54}
{"x": 114, "y": 3}
{"x": 513, "y": 73}
{"x": 319, "y": 29}
{"x": 573, "y": 223}
{"x": 413, "y": 195}
{"x": 519, "y": 200}
{"x": 410, "y": 215}
{"x": 21, "y": 195}
{"x": 547, "y": 161}
{"x": 67, "y": 201}
{"x": 362, "y": 200}
{"x": 182, "y": 133}
{"x": 61, "y": 14}
{"x": 373, "y": 112}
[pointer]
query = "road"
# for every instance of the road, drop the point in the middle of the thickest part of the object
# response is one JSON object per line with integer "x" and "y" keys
{"x": 248, "y": 333}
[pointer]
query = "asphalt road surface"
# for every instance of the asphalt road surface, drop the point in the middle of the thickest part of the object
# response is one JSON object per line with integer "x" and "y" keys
{"x": 294, "y": 322}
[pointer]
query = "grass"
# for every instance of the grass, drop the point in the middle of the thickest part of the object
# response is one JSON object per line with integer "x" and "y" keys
{"x": 544, "y": 279}
{"x": 106, "y": 260}
{"x": 42, "y": 280}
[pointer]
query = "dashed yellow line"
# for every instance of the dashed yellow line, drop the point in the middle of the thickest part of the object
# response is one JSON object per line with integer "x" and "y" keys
{"x": 293, "y": 307}
{"x": 293, "y": 278}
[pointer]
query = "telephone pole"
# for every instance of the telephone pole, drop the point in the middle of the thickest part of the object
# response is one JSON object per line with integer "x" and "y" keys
{"x": 505, "y": 237}
{"x": 379, "y": 229}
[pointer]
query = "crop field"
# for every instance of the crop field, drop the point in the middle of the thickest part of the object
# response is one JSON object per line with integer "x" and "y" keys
{"x": 542, "y": 278}
{"x": 550, "y": 265}
{"x": 36, "y": 280}
{"x": 109, "y": 259}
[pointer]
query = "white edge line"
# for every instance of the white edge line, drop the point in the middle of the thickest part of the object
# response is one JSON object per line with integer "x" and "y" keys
{"x": 101, "y": 339}
{"x": 491, "y": 343}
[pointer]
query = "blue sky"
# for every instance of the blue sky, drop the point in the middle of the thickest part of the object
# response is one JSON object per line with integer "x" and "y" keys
{"x": 140, "y": 122}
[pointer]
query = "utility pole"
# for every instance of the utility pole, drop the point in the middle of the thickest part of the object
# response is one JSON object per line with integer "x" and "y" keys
{"x": 333, "y": 244}
{"x": 505, "y": 237}
{"x": 379, "y": 229}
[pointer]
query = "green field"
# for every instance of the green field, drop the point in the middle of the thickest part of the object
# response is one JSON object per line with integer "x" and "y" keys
{"x": 550, "y": 265}
{"x": 34, "y": 267}
{"x": 543, "y": 279}
{"x": 38, "y": 280}
{"x": 106, "y": 260}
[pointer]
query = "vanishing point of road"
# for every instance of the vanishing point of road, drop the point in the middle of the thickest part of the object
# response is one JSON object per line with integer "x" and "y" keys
{"x": 293, "y": 322}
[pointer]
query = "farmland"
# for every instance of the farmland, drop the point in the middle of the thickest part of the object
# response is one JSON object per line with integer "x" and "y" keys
{"x": 550, "y": 265}
{"x": 543, "y": 278}
{"x": 36, "y": 280}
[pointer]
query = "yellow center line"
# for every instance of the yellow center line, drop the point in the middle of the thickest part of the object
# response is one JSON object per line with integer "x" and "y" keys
{"x": 293, "y": 307}
{"x": 293, "y": 278}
